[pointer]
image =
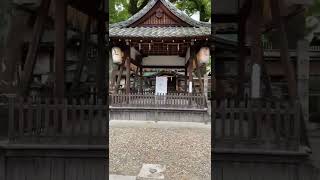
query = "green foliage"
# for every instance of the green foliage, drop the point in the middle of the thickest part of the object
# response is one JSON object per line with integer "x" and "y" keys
{"x": 192, "y": 6}
{"x": 121, "y": 10}
{"x": 118, "y": 10}
{"x": 314, "y": 10}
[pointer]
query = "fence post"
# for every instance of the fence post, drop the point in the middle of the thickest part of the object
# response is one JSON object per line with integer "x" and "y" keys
{"x": 11, "y": 117}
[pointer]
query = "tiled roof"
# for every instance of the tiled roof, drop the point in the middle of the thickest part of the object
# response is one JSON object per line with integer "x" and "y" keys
{"x": 183, "y": 16}
{"x": 160, "y": 32}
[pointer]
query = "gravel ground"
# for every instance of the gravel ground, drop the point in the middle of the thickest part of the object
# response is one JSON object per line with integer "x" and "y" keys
{"x": 184, "y": 151}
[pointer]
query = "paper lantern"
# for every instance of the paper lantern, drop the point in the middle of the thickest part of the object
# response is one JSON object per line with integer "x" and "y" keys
{"x": 203, "y": 55}
{"x": 117, "y": 55}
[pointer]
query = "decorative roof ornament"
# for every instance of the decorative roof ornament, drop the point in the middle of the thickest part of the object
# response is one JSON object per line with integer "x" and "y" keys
{"x": 159, "y": 13}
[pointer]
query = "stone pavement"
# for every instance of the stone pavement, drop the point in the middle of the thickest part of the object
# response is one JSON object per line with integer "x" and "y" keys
{"x": 163, "y": 150}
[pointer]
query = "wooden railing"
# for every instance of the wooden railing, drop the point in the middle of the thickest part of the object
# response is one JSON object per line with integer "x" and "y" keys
{"x": 269, "y": 46}
{"x": 175, "y": 100}
{"x": 256, "y": 124}
{"x": 51, "y": 121}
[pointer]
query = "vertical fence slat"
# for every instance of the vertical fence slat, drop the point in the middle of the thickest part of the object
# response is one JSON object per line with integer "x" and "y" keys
{"x": 21, "y": 116}
{"x": 46, "y": 117}
{"x": 64, "y": 128}
{"x": 29, "y": 116}
{"x": 11, "y": 107}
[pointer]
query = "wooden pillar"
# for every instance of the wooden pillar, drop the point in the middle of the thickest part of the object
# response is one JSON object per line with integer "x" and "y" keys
{"x": 141, "y": 80}
{"x": 119, "y": 76}
{"x": 83, "y": 55}
{"x": 185, "y": 79}
{"x": 205, "y": 85}
{"x": 242, "y": 55}
{"x": 114, "y": 72}
{"x": 33, "y": 47}
{"x": 177, "y": 84}
{"x": 244, "y": 14}
{"x": 212, "y": 79}
{"x": 256, "y": 48}
{"x": 190, "y": 68}
{"x": 199, "y": 75}
{"x": 60, "y": 39}
{"x": 128, "y": 74}
{"x": 303, "y": 63}
{"x": 12, "y": 52}
{"x": 101, "y": 65}
{"x": 279, "y": 20}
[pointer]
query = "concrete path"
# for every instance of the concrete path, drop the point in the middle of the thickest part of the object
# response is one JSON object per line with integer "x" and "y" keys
{"x": 138, "y": 148}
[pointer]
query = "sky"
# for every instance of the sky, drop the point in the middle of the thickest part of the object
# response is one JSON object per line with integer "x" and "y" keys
{"x": 196, "y": 16}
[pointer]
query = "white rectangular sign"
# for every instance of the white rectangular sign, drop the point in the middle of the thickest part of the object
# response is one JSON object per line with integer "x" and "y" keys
{"x": 190, "y": 87}
{"x": 255, "y": 81}
{"x": 161, "y": 85}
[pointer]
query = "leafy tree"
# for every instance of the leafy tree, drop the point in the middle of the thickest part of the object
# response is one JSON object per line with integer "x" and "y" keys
{"x": 118, "y": 10}
{"x": 192, "y": 6}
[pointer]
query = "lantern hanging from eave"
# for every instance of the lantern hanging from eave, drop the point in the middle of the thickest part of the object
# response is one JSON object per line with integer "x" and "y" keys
{"x": 203, "y": 55}
{"x": 117, "y": 55}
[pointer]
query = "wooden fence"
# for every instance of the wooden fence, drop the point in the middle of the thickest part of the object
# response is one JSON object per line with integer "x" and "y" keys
{"x": 261, "y": 124}
{"x": 56, "y": 121}
{"x": 174, "y": 100}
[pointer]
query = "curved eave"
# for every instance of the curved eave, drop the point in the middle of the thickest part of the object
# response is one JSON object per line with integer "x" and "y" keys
{"x": 159, "y": 32}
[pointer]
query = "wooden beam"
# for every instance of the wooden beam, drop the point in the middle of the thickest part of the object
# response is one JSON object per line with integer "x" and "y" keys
{"x": 169, "y": 67}
{"x": 225, "y": 18}
{"x": 288, "y": 67}
{"x": 60, "y": 46}
{"x": 33, "y": 48}
{"x": 83, "y": 56}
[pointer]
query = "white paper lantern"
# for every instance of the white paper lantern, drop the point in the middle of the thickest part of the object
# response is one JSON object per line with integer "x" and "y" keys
{"x": 203, "y": 55}
{"x": 117, "y": 55}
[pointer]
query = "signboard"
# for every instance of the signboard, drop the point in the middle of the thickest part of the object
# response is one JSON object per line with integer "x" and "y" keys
{"x": 255, "y": 81}
{"x": 161, "y": 85}
{"x": 190, "y": 87}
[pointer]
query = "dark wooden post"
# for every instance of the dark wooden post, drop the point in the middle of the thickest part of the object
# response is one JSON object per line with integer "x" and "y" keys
{"x": 119, "y": 76}
{"x": 59, "y": 51}
{"x": 114, "y": 76}
{"x": 33, "y": 48}
{"x": 128, "y": 75}
{"x": 256, "y": 44}
{"x": 303, "y": 68}
{"x": 242, "y": 54}
{"x": 190, "y": 67}
{"x": 186, "y": 79}
{"x": 141, "y": 80}
{"x": 101, "y": 61}
{"x": 279, "y": 20}
{"x": 177, "y": 83}
{"x": 12, "y": 52}
{"x": 83, "y": 55}
{"x": 199, "y": 75}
